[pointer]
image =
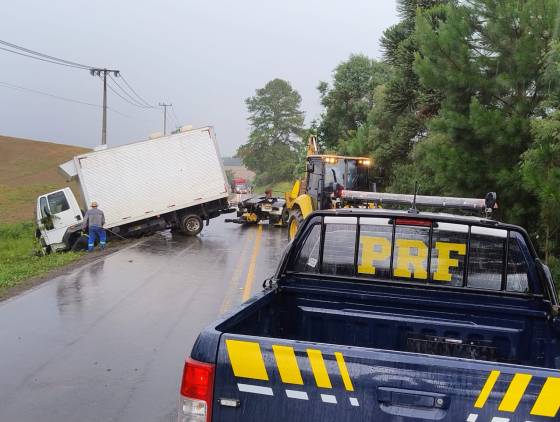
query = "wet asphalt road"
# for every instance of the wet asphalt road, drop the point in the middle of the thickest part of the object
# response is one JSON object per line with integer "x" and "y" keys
{"x": 108, "y": 341}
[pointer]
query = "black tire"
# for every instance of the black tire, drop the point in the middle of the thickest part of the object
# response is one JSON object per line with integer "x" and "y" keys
{"x": 294, "y": 222}
{"x": 191, "y": 224}
{"x": 285, "y": 218}
{"x": 79, "y": 244}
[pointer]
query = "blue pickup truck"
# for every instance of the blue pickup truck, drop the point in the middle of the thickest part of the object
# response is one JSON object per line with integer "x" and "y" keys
{"x": 387, "y": 315}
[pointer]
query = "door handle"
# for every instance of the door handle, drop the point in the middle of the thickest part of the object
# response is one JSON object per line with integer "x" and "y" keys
{"x": 411, "y": 398}
{"x": 413, "y": 403}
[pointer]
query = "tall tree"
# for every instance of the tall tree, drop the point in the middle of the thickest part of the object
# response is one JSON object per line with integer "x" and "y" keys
{"x": 348, "y": 101}
{"x": 491, "y": 59}
{"x": 398, "y": 119}
{"x": 541, "y": 174}
{"x": 276, "y": 127}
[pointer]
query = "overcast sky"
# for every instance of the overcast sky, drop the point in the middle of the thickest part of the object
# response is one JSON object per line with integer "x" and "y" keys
{"x": 203, "y": 56}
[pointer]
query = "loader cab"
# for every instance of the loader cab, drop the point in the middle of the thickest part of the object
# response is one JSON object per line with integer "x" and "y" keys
{"x": 55, "y": 213}
{"x": 328, "y": 173}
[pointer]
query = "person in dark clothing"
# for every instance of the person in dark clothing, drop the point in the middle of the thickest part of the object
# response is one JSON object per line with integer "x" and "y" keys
{"x": 94, "y": 220}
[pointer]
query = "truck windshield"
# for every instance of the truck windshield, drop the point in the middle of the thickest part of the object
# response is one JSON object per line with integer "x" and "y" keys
{"x": 438, "y": 253}
{"x": 357, "y": 176}
{"x": 334, "y": 173}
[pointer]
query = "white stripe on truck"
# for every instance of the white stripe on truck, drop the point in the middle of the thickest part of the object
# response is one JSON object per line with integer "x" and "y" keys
{"x": 255, "y": 389}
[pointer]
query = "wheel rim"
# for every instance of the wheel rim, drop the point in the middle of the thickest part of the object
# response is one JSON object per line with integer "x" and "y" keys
{"x": 293, "y": 228}
{"x": 193, "y": 224}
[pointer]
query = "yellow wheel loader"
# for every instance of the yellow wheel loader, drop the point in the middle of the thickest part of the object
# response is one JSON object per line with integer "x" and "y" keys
{"x": 326, "y": 176}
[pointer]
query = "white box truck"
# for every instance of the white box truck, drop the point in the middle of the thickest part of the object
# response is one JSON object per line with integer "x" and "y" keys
{"x": 175, "y": 181}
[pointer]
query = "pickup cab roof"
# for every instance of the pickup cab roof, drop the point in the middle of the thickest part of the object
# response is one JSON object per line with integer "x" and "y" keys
{"x": 444, "y": 250}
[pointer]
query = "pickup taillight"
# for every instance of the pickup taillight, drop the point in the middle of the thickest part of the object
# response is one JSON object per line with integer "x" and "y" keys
{"x": 197, "y": 389}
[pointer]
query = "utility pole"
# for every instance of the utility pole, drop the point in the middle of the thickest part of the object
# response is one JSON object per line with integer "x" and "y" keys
{"x": 104, "y": 72}
{"x": 165, "y": 116}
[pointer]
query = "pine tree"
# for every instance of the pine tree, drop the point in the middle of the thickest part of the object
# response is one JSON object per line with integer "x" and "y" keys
{"x": 491, "y": 60}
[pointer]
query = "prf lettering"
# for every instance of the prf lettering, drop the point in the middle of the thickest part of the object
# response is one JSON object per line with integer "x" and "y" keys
{"x": 412, "y": 257}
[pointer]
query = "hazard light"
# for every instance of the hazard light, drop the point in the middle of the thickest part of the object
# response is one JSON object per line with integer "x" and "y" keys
{"x": 196, "y": 392}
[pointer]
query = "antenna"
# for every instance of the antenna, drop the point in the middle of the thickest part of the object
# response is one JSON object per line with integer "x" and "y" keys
{"x": 413, "y": 209}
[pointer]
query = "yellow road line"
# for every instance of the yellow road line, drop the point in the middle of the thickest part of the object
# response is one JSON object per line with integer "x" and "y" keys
{"x": 344, "y": 371}
{"x": 515, "y": 392}
{"x": 252, "y": 265}
{"x": 487, "y": 389}
{"x": 236, "y": 277}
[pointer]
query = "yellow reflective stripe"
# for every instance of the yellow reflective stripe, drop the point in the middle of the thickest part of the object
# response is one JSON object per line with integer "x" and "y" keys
{"x": 515, "y": 392}
{"x": 487, "y": 389}
{"x": 246, "y": 359}
{"x": 548, "y": 401}
{"x": 344, "y": 371}
{"x": 318, "y": 367}
{"x": 287, "y": 364}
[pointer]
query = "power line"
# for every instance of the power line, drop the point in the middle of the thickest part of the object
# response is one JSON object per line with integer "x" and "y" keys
{"x": 46, "y": 56}
{"x": 133, "y": 90}
{"x": 114, "y": 91}
{"x": 57, "y": 97}
{"x": 174, "y": 115}
{"x": 127, "y": 94}
{"x": 41, "y": 59}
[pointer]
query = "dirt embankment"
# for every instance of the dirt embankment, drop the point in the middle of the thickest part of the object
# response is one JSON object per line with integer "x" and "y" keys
{"x": 28, "y": 169}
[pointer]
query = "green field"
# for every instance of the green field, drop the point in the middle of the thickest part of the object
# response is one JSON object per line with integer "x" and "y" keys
{"x": 27, "y": 170}
{"x": 18, "y": 255}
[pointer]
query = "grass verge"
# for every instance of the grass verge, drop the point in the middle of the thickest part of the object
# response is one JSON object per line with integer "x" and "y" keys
{"x": 18, "y": 260}
{"x": 277, "y": 188}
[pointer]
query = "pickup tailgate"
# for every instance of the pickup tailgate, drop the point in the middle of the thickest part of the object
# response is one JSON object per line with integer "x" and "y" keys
{"x": 264, "y": 379}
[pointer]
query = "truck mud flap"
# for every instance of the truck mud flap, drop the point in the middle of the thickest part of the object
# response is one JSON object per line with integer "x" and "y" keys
{"x": 283, "y": 380}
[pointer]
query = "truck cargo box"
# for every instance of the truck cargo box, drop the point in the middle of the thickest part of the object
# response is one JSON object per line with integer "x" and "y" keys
{"x": 145, "y": 179}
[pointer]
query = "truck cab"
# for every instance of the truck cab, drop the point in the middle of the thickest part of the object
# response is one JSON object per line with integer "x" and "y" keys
{"x": 57, "y": 216}
{"x": 326, "y": 175}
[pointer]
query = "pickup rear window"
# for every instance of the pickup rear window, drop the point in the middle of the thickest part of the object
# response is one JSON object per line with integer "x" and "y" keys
{"x": 400, "y": 249}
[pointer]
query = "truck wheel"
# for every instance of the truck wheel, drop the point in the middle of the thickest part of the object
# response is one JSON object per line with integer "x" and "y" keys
{"x": 191, "y": 224}
{"x": 294, "y": 223}
{"x": 79, "y": 243}
{"x": 285, "y": 218}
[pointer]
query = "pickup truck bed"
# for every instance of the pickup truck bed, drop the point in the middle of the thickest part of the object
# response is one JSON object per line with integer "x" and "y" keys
{"x": 318, "y": 347}
{"x": 512, "y": 330}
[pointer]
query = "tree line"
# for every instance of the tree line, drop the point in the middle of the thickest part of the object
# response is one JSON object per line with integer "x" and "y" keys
{"x": 465, "y": 100}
